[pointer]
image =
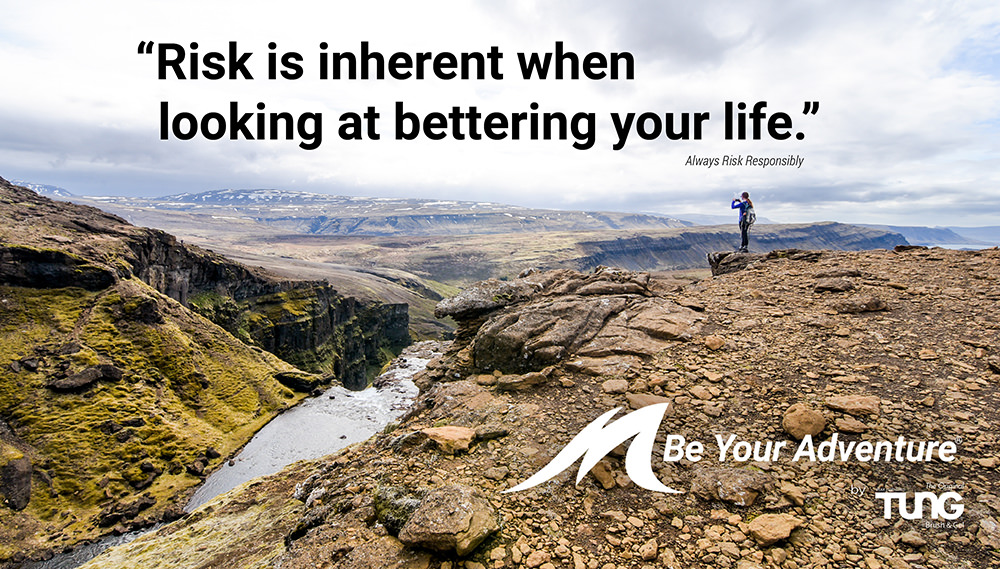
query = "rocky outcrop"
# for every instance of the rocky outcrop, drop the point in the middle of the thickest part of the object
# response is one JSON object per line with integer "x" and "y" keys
{"x": 543, "y": 319}
{"x": 48, "y": 268}
{"x": 726, "y": 262}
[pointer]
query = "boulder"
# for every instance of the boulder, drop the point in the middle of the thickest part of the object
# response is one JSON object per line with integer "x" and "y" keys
{"x": 640, "y": 400}
{"x": 854, "y": 404}
{"x": 484, "y": 297}
{"x": 86, "y": 378}
{"x": 393, "y": 507}
{"x": 615, "y": 386}
{"x": 451, "y": 439}
{"x": 741, "y": 487}
{"x": 520, "y": 382}
{"x": 714, "y": 343}
{"x": 801, "y": 420}
{"x": 450, "y": 518}
{"x": 768, "y": 529}
{"x": 541, "y": 334}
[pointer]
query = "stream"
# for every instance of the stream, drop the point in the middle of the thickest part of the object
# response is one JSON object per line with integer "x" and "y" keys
{"x": 315, "y": 427}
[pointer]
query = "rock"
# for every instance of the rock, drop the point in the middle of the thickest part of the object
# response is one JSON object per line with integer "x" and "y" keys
{"x": 640, "y": 400}
{"x": 542, "y": 333}
{"x": 118, "y": 511}
{"x": 735, "y": 485}
{"x": 86, "y": 378}
{"x": 792, "y": 493}
{"x": 15, "y": 480}
{"x": 485, "y": 379}
{"x": 989, "y": 532}
{"x": 520, "y": 382}
{"x": 649, "y": 549}
{"x": 913, "y": 539}
{"x": 833, "y": 285}
{"x": 451, "y": 439}
{"x": 854, "y": 404}
{"x": 851, "y": 425}
{"x": 407, "y": 441}
{"x": 299, "y": 381}
{"x": 714, "y": 343}
{"x": 452, "y": 517}
{"x": 602, "y": 473}
{"x": 496, "y": 472}
{"x": 859, "y": 304}
{"x": 615, "y": 386}
{"x": 801, "y": 420}
{"x": 196, "y": 468}
{"x": 490, "y": 432}
{"x": 725, "y": 262}
{"x": 536, "y": 558}
{"x": 484, "y": 297}
{"x": 663, "y": 320}
{"x": 701, "y": 392}
{"x": 768, "y": 529}
{"x": 393, "y": 507}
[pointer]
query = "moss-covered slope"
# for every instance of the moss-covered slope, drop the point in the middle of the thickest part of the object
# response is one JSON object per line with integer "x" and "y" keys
{"x": 189, "y": 394}
{"x": 115, "y": 397}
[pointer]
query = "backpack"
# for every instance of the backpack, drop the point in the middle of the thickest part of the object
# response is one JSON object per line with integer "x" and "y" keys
{"x": 750, "y": 216}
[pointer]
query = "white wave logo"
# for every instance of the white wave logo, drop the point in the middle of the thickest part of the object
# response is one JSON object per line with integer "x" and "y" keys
{"x": 595, "y": 441}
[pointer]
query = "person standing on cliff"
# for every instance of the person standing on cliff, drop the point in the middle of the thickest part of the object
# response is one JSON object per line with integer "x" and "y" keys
{"x": 747, "y": 217}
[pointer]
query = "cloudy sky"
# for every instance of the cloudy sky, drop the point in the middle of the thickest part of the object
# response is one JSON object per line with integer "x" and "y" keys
{"x": 906, "y": 132}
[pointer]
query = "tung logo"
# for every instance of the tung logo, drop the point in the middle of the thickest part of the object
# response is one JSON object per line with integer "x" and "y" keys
{"x": 595, "y": 441}
{"x": 938, "y": 505}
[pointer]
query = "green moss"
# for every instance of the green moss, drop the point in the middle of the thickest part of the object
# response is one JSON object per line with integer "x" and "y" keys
{"x": 192, "y": 384}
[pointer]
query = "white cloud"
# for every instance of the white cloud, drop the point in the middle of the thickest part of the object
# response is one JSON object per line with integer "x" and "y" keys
{"x": 909, "y": 98}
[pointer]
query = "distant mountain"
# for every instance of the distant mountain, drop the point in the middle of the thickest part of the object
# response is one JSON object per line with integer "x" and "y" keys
{"x": 323, "y": 214}
{"x": 702, "y": 219}
{"x": 44, "y": 190}
{"x": 989, "y": 235}
{"x": 936, "y": 236}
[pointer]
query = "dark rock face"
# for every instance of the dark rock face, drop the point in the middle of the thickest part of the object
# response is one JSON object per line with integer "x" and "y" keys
{"x": 46, "y": 268}
{"x": 15, "y": 483}
{"x": 316, "y": 329}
